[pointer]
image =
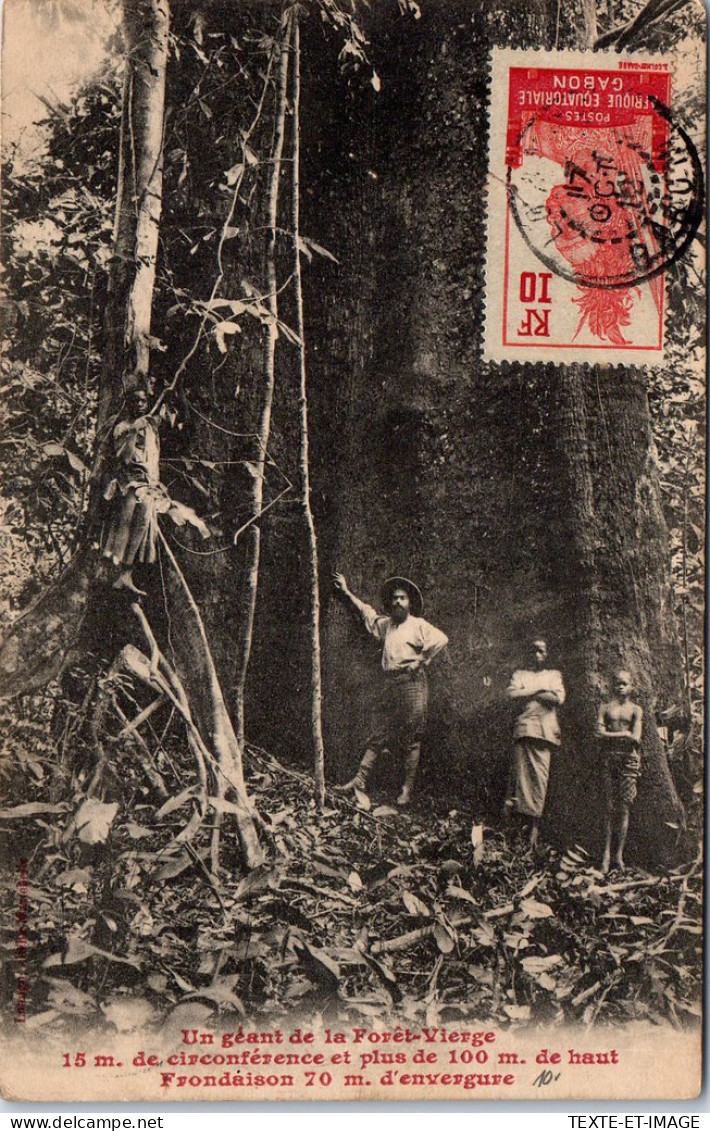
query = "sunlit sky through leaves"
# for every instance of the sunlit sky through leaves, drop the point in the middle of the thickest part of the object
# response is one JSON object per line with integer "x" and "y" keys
{"x": 49, "y": 48}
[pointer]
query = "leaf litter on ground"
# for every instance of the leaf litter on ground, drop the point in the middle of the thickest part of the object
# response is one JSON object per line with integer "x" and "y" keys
{"x": 359, "y": 912}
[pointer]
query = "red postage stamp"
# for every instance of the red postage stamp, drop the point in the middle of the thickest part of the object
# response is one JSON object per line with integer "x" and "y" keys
{"x": 595, "y": 191}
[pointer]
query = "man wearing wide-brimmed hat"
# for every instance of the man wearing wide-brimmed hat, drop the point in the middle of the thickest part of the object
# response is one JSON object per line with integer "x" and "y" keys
{"x": 409, "y": 644}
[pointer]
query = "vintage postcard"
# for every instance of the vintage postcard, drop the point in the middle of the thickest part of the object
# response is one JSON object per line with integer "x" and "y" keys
{"x": 351, "y": 550}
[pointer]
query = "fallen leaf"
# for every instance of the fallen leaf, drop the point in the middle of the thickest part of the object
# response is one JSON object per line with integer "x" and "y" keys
{"x": 451, "y": 867}
{"x": 189, "y": 1014}
{"x": 93, "y": 820}
{"x": 157, "y": 982}
{"x": 31, "y": 809}
{"x": 261, "y": 878}
{"x": 142, "y": 923}
{"x": 137, "y": 832}
{"x": 232, "y": 175}
{"x": 444, "y": 939}
{"x": 220, "y": 992}
{"x": 67, "y": 998}
{"x": 515, "y": 942}
{"x": 586, "y": 994}
{"x": 78, "y": 879}
{"x": 532, "y": 909}
{"x": 320, "y": 967}
{"x": 78, "y": 950}
{"x": 484, "y": 935}
{"x": 385, "y": 811}
{"x": 517, "y": 1012}
{"x": 175, "y": 866}
{"x": 415, "y": 906}
{"x": 127, "y": 1013}
{"x": 538, "y": 963}
{"x": 477, "y": 842}
{"x": 530, "y": 886}
{"x": 460, "y": 893}
{"x": 176, "y": 802}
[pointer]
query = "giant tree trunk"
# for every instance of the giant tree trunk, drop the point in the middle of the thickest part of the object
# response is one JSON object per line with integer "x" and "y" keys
{"x": 523, "y": 498}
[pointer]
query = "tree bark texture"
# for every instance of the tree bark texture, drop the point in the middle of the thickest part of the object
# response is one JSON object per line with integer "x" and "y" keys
{"x": 138, "y": 205}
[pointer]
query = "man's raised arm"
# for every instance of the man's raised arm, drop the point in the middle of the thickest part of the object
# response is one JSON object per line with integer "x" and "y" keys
{"x": 370, "y": 616}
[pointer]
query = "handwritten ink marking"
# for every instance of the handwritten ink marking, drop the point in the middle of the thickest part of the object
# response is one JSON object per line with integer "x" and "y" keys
{"x": 546, "y": 1077}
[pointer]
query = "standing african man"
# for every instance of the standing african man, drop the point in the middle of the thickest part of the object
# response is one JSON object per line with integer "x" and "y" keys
{"x": 535, "y": 735}
{"x": 619, "y": 732}
{"x": 409, "y": 644}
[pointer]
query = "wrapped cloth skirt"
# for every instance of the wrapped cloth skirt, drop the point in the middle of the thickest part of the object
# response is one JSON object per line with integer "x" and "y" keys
{"x": 530, "y": 774}
{"x": 622, "y": 770}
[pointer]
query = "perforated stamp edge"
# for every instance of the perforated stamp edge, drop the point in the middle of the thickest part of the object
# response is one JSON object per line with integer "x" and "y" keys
{"x": 503, "y": 255}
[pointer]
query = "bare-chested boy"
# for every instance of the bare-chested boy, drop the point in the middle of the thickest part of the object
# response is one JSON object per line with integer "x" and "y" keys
{"x": 619, "y": 729}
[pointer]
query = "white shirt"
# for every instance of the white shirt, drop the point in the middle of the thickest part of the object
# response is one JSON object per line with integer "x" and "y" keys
{"x": 538, "y": 720}
{"x": 402, "y": 643}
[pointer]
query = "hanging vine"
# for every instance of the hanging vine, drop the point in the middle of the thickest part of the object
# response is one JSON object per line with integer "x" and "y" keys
{"x": 304, "y": 468}
{"x": 271, "y": 332}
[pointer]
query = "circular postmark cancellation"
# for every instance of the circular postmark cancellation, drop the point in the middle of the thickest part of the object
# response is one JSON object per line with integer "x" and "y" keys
{"x": 605, "y": 204}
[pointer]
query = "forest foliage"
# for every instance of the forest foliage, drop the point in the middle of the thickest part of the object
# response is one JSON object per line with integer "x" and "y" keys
{"x": 358, "y": 910}
{"x": 56, "y": 248}
{"x": 360, "y": 914}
